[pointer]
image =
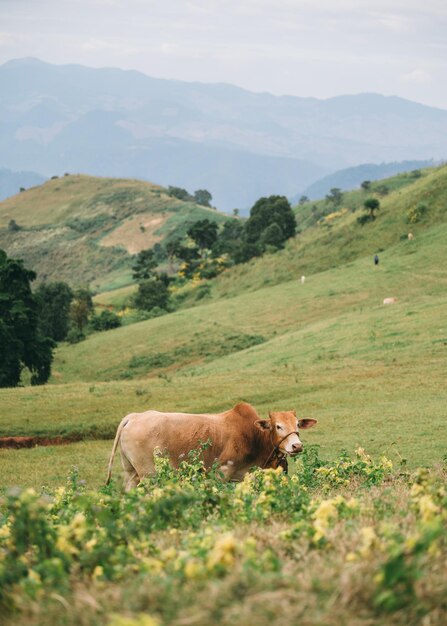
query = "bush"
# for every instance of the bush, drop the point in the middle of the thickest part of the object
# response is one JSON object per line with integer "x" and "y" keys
{"x": 364, "y": 219}
{"x": 416, "y": 214}
{"x": 75, "y": 335}
{"x": 152, "y": 293}
{"x": 105, "y": 321}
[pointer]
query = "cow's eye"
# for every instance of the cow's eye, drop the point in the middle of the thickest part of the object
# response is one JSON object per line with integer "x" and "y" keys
{"x": 278, "y": 427}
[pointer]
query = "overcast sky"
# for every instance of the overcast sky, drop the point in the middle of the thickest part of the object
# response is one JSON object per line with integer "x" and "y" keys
{"x": 319, "y": 48}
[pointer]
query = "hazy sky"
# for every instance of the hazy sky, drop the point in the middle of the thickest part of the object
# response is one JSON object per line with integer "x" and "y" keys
{"x": 316, "y": 48}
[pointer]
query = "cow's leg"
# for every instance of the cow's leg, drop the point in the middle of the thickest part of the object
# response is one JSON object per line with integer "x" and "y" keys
{"x": 131, "y": 477}
{"x": 228, "y": 469}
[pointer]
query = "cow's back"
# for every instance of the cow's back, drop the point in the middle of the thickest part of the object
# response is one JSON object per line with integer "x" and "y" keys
{"x": 172, "y": 433}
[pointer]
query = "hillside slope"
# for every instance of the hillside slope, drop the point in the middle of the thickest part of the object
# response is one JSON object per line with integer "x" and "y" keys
{"x": 336, "y": 238}
{"x": 373, "y": 375}
{"x": 84, "y": 229}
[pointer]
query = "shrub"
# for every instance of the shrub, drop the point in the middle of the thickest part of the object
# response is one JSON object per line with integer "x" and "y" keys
{"x": 364, "y": 219}
{"x": 152, "y": 293}
{"x": 105, "y": 321}
{"x": 416, "y": 214}
{"x": 75, "y": 335}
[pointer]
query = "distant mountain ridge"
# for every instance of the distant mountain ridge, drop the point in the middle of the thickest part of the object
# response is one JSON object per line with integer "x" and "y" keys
{"x": 354, "y": 176}
{"x": 239, "y": 145}
{"x": 11, "y": 182}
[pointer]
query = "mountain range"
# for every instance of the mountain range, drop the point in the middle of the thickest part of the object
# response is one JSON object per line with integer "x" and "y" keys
{"x": 237, "y": 144}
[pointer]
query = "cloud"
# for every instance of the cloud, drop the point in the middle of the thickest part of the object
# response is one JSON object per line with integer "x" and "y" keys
{"x": 418, "y": 76}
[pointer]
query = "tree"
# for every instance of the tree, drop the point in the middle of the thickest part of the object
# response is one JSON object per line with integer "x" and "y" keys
{"x": 366, "y": 185}
{"x": 335, "y": 196}
{"x": 303, "y": 200}
{"x": 144, "y": 266}
{"x": 273, "y": 236}
{"x": 152, "y": 293}
{"x": 230, "y": 239}
{"x": 203, "y": 233}
{"x": 54, "y": 300}
{"x": 179, "y": 193}
{"x": 266, "y": 211}
{"x": 13, "y": 227}
{"x": 371, "y": 205}
{"x": 382, "y": 190}
{"x": 106, "y": 320}
{"x": 203, "y": 197}
{"x": 80, "y": 308}
{"x": 23, "y": 344}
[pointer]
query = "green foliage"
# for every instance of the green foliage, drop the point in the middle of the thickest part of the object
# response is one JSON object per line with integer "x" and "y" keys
{"x": 416, "y": 213}
{"x": 268, "y": 211}
{"x": 204, "y": 233}
{"x": 335, "y": 196}
{"x": 366, "y": 185}
{"x": 230, "y": 239}
{"x": 364, "y": 219}
{"x": 179, "y": 193}
{"x": 80, "y": 309}
{"x": 144, "y": 266}
{"x": 75, "y": 335}
{"x": 13, "y": 227}
{"x": 54, "y": 300}
{"x": 273, "y": 236}
{"x": 371, "y": 205}
{"x": 382, "y": 190}
{"x": 186, "y": 529}
{"x": 152, "y": 293}
{"x": 23, "y": 344}
{"x": 106, "y": 320}
{"x": 203, "y": 197}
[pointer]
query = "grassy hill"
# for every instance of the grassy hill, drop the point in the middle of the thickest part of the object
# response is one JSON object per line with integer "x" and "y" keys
{"x": 84, "y": 229}
{"x": 331, "y": 237}
{"x": 372, "y": 374}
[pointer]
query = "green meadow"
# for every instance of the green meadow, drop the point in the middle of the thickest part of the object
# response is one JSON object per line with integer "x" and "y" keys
{"x": 372, "y": 374}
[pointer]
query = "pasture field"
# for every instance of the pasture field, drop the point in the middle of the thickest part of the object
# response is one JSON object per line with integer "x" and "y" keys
{"x": 373, "y": 375}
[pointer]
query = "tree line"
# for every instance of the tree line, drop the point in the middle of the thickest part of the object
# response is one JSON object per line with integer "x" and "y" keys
{"x": 31, "y": 323}
{"x": 206, "y": 250}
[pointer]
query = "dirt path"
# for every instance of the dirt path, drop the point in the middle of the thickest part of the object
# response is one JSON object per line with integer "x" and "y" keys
{"x": 30, "y": 442}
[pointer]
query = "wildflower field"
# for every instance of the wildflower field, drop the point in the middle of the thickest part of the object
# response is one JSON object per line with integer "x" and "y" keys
{"x": 352, "y": 541}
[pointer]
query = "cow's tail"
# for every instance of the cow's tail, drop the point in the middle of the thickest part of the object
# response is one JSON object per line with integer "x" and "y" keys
{"x": 115, "y": 445}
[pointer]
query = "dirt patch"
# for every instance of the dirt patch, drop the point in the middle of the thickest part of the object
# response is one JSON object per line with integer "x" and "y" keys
{"x": 31, "y": 442}
{"x": 137, "y": 233}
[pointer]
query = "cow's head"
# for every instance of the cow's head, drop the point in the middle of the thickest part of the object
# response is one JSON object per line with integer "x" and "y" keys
{"x": 283, "y": 427}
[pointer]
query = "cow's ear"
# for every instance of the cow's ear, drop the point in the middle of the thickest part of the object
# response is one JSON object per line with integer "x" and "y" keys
{"x": 263, "y": 424}
{"x": 306, "y": 423}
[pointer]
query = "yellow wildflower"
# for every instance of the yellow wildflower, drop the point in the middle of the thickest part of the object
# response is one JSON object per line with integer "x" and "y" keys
{"x": 369, "y": 541}
{"x": 34, "y": 577}
{"x": 223, "y": 552}
{"x": 5, "y": 531}
{"x": 192, "y": 569}
{"x": 140, "y": 620}
{"x": 427, "y": 508}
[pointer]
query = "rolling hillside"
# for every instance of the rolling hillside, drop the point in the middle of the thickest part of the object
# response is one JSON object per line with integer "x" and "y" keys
{"x": 373, "y": 375}
{"x": 84, "y": 229}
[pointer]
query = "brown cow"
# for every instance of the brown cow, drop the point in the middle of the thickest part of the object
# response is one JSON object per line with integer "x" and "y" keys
{"x": 239, "y": 440}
